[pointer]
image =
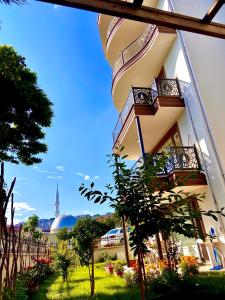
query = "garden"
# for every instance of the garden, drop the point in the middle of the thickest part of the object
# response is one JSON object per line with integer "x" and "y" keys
{"x": 109, "y": 286}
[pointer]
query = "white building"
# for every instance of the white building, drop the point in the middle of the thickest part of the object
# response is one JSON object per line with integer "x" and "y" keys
{"x": 168, "y": 88}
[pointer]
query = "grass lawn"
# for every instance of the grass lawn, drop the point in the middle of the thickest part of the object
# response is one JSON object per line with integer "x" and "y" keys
{"x": 107, "y": 287}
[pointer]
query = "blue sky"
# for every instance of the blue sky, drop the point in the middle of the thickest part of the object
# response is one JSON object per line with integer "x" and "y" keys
{"x": 63, "y": 46}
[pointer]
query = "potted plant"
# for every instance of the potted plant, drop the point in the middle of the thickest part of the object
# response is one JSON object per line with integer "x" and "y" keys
{"x": 109, "y": 268}
{"x": 118, "y": 268}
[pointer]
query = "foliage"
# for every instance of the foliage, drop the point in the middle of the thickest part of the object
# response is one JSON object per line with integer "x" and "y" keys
{"x": 28, "y": 281}
{"x": 84, "y": 233}
{"x": 13, "y": 1}
{"x": 30, "y": 226}
{"x": 151, "y": 271}
{"x": 62, "y": 263}
{"x": 188, "y": 265}
{"x": 130, "y": 277}
{"x": 110, "y": 221}
{"x": 110, "y": 287}
{"x": 168, "y": 280}
{"x": 25, "y": 110}
{"x": 118, "y": 266}
{"x": 63, "y": 235}
{"x": 106, "y": 257}
{"x": 141, "y": 198}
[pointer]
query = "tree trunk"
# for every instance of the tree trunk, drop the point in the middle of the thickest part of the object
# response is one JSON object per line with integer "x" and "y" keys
{"x": 159, "y": 247}
{"x": 92, "y": 274}
{"x": 125, "y": 241}
{"x": 140, "y": 265}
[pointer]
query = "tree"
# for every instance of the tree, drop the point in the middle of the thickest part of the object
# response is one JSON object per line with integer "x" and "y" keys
{"x": 63, "y": 235}
{"x": 25, "y": 110}
{"x": 62, "y": 264}
{"x": 138, "y": 195}
{"x": 30, "y": 227}
{"x": 85, "y": 232}
{"x": 110, "y": 221}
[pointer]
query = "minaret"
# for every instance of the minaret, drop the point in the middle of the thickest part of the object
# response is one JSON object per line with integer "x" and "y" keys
{"x": 57, "y": 203}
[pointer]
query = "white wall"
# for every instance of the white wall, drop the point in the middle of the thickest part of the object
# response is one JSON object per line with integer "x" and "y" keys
{"x": 207, "y": 58}
{"x": 193, "y": 128}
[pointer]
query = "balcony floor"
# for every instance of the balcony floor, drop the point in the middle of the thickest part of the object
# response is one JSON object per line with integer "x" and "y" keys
{"x": 155, "y": 122}
{"x": 186, "y": 181}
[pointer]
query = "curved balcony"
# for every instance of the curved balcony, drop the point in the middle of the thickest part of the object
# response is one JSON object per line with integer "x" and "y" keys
{"x": 117, "y": 37}
{"x": 181, "y": 162}
{"x": 140, "y": 61}
{"x": 121, "y": 40}
{"x": 103, "y": 24}
{"x": 158, "y": 109}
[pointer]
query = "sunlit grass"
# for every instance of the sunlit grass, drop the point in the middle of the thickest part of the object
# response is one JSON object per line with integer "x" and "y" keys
{"x": 78, "y": 287}
{"x": 109, "y": 287}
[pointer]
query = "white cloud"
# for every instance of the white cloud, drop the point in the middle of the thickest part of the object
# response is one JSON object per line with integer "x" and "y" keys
{"x": 55, "y": 177}
{"x": 87, "y": 177}
{"x": 87, "y": 212}
{"x": 22, "y": 178}
{"x": 55, "y": 6}
{"x": 21, "y": 210}
{"x": 60, "y": 168}
{"x": 79, "y": 174}
{"x": 23, "y": 206}
{"x": 43, "y": 171}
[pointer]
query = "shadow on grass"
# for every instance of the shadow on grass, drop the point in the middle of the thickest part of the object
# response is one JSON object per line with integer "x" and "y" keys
{"x": 82, "y": 280}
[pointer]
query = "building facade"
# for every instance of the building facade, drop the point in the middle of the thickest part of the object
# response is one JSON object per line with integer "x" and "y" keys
{"x": 168, "y": 88}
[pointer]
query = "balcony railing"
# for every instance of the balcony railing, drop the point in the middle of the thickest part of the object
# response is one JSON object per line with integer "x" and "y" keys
{"x": 178, "y": 159}
{"x": 133, "y": 49}
{"x": 140, "y": 96}
{"x": 115, "y": 21}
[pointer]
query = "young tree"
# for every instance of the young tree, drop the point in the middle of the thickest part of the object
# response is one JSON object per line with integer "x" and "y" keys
{"x": 25, "y": 110}
{"x": 85, "y": 232}
{"x": 150, "y": 207}
{"x": 31, "y": 227}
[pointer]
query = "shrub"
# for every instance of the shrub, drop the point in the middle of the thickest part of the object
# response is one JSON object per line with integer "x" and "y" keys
{"x": 151, "y": 272}
{"x": 188, "y": 265}
{"x": 168, "y": 280}
{"x": 163, "y": 265}
{"x": 62, "y": 263}
{"x": 118, "y": 266}
{"x": 131, "y": 277}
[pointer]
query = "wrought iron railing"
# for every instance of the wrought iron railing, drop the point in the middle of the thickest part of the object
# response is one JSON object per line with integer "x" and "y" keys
{"x": 133, "y": 49}
{"x": 140, "y": 96}
{"x": 178, "y": 159}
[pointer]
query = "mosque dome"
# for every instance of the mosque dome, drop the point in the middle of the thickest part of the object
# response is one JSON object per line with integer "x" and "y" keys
{"x": 63, "y": 221}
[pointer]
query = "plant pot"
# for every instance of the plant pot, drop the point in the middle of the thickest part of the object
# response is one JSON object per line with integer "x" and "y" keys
{"x": 118, "y": 273}
{"x": 109, "y": 269}
{"x": 132, "y": 263}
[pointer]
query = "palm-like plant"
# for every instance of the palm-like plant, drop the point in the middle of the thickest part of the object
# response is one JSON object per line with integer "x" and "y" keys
{"x": 19, "y": 2}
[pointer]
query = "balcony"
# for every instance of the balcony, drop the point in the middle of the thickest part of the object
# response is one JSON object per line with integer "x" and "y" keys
{"x": 158, "y": 108}
{"x": 140, "y": 61}
{"x": 117, "y": 38}
{"x": 182, "y": 168}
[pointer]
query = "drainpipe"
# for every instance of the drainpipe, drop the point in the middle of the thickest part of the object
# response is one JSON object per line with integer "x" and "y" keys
{"x": 192, "y": 76}
{"x": 140, "y": 137}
